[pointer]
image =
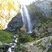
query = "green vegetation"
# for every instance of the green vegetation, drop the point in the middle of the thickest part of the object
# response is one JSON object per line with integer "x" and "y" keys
{"x": 49, "y": 50}
{"x": 43, "y": 24}
{"x": 5, "y": 37}
{"x": 24, "y": 37}
{"x": 20, "y": 48}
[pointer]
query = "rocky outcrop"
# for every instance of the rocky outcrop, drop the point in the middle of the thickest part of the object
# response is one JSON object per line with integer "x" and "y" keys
{"x": 43, "y": 8}
{"x": 41, "y": 15}
{"x": 15, "y": 23}
{"x": 41, "y": 45}
{"x": 37, "y": 10}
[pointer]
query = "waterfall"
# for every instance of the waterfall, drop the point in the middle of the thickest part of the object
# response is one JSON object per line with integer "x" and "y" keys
{"x": 27, "y": 22}
{"x": 26, "y": 18}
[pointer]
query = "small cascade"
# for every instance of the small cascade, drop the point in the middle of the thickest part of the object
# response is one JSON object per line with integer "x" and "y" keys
{"x": 26, "y": 18}
{"x": 13, "y": 44}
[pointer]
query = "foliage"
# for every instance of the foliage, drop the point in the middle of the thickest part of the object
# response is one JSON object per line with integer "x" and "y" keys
{"x": 5, "y": 37}
{"x": 24, "y": 37}
{"x": 50, "y": 50}
{"x": 20, "y": 48}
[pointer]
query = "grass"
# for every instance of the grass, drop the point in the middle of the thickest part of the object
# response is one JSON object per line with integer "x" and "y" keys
{"x": 6, "y": 37}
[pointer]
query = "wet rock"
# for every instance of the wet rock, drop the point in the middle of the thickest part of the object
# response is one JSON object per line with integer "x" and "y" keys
{"x": 23, "y": 29}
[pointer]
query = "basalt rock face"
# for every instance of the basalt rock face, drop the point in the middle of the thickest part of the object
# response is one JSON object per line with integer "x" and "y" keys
{"x": 15, "y": 23}
{"x": 37, "y": 10}
{"x": 34, "y": 18}
{"x": 43, "y": 8}
{"x": 40, "y": 11}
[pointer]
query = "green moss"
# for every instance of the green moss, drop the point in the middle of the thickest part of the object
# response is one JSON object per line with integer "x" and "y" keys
{"x": 5, "y": 37}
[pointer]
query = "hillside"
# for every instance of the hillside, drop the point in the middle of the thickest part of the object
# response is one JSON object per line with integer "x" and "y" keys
{"x": 15, "y": 22}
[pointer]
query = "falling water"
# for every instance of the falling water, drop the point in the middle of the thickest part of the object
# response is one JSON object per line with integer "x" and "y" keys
{"x": 27, "y": 22}
{"x": 26, "y": 18}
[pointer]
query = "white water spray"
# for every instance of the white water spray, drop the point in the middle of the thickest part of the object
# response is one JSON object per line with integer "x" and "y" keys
{"x": 26, "y": 18}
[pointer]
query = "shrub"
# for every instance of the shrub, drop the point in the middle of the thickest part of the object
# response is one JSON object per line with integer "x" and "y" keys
{"x": 24, "y": 37}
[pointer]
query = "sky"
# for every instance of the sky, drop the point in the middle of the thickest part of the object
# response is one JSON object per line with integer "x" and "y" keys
{"x": 26, "y": 2}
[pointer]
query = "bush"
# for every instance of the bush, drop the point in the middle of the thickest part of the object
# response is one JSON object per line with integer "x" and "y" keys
{"x": 24, "y": 37}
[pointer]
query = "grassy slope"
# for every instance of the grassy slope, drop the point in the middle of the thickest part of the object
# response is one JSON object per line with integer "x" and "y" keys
{"x": 5, "y": 37}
